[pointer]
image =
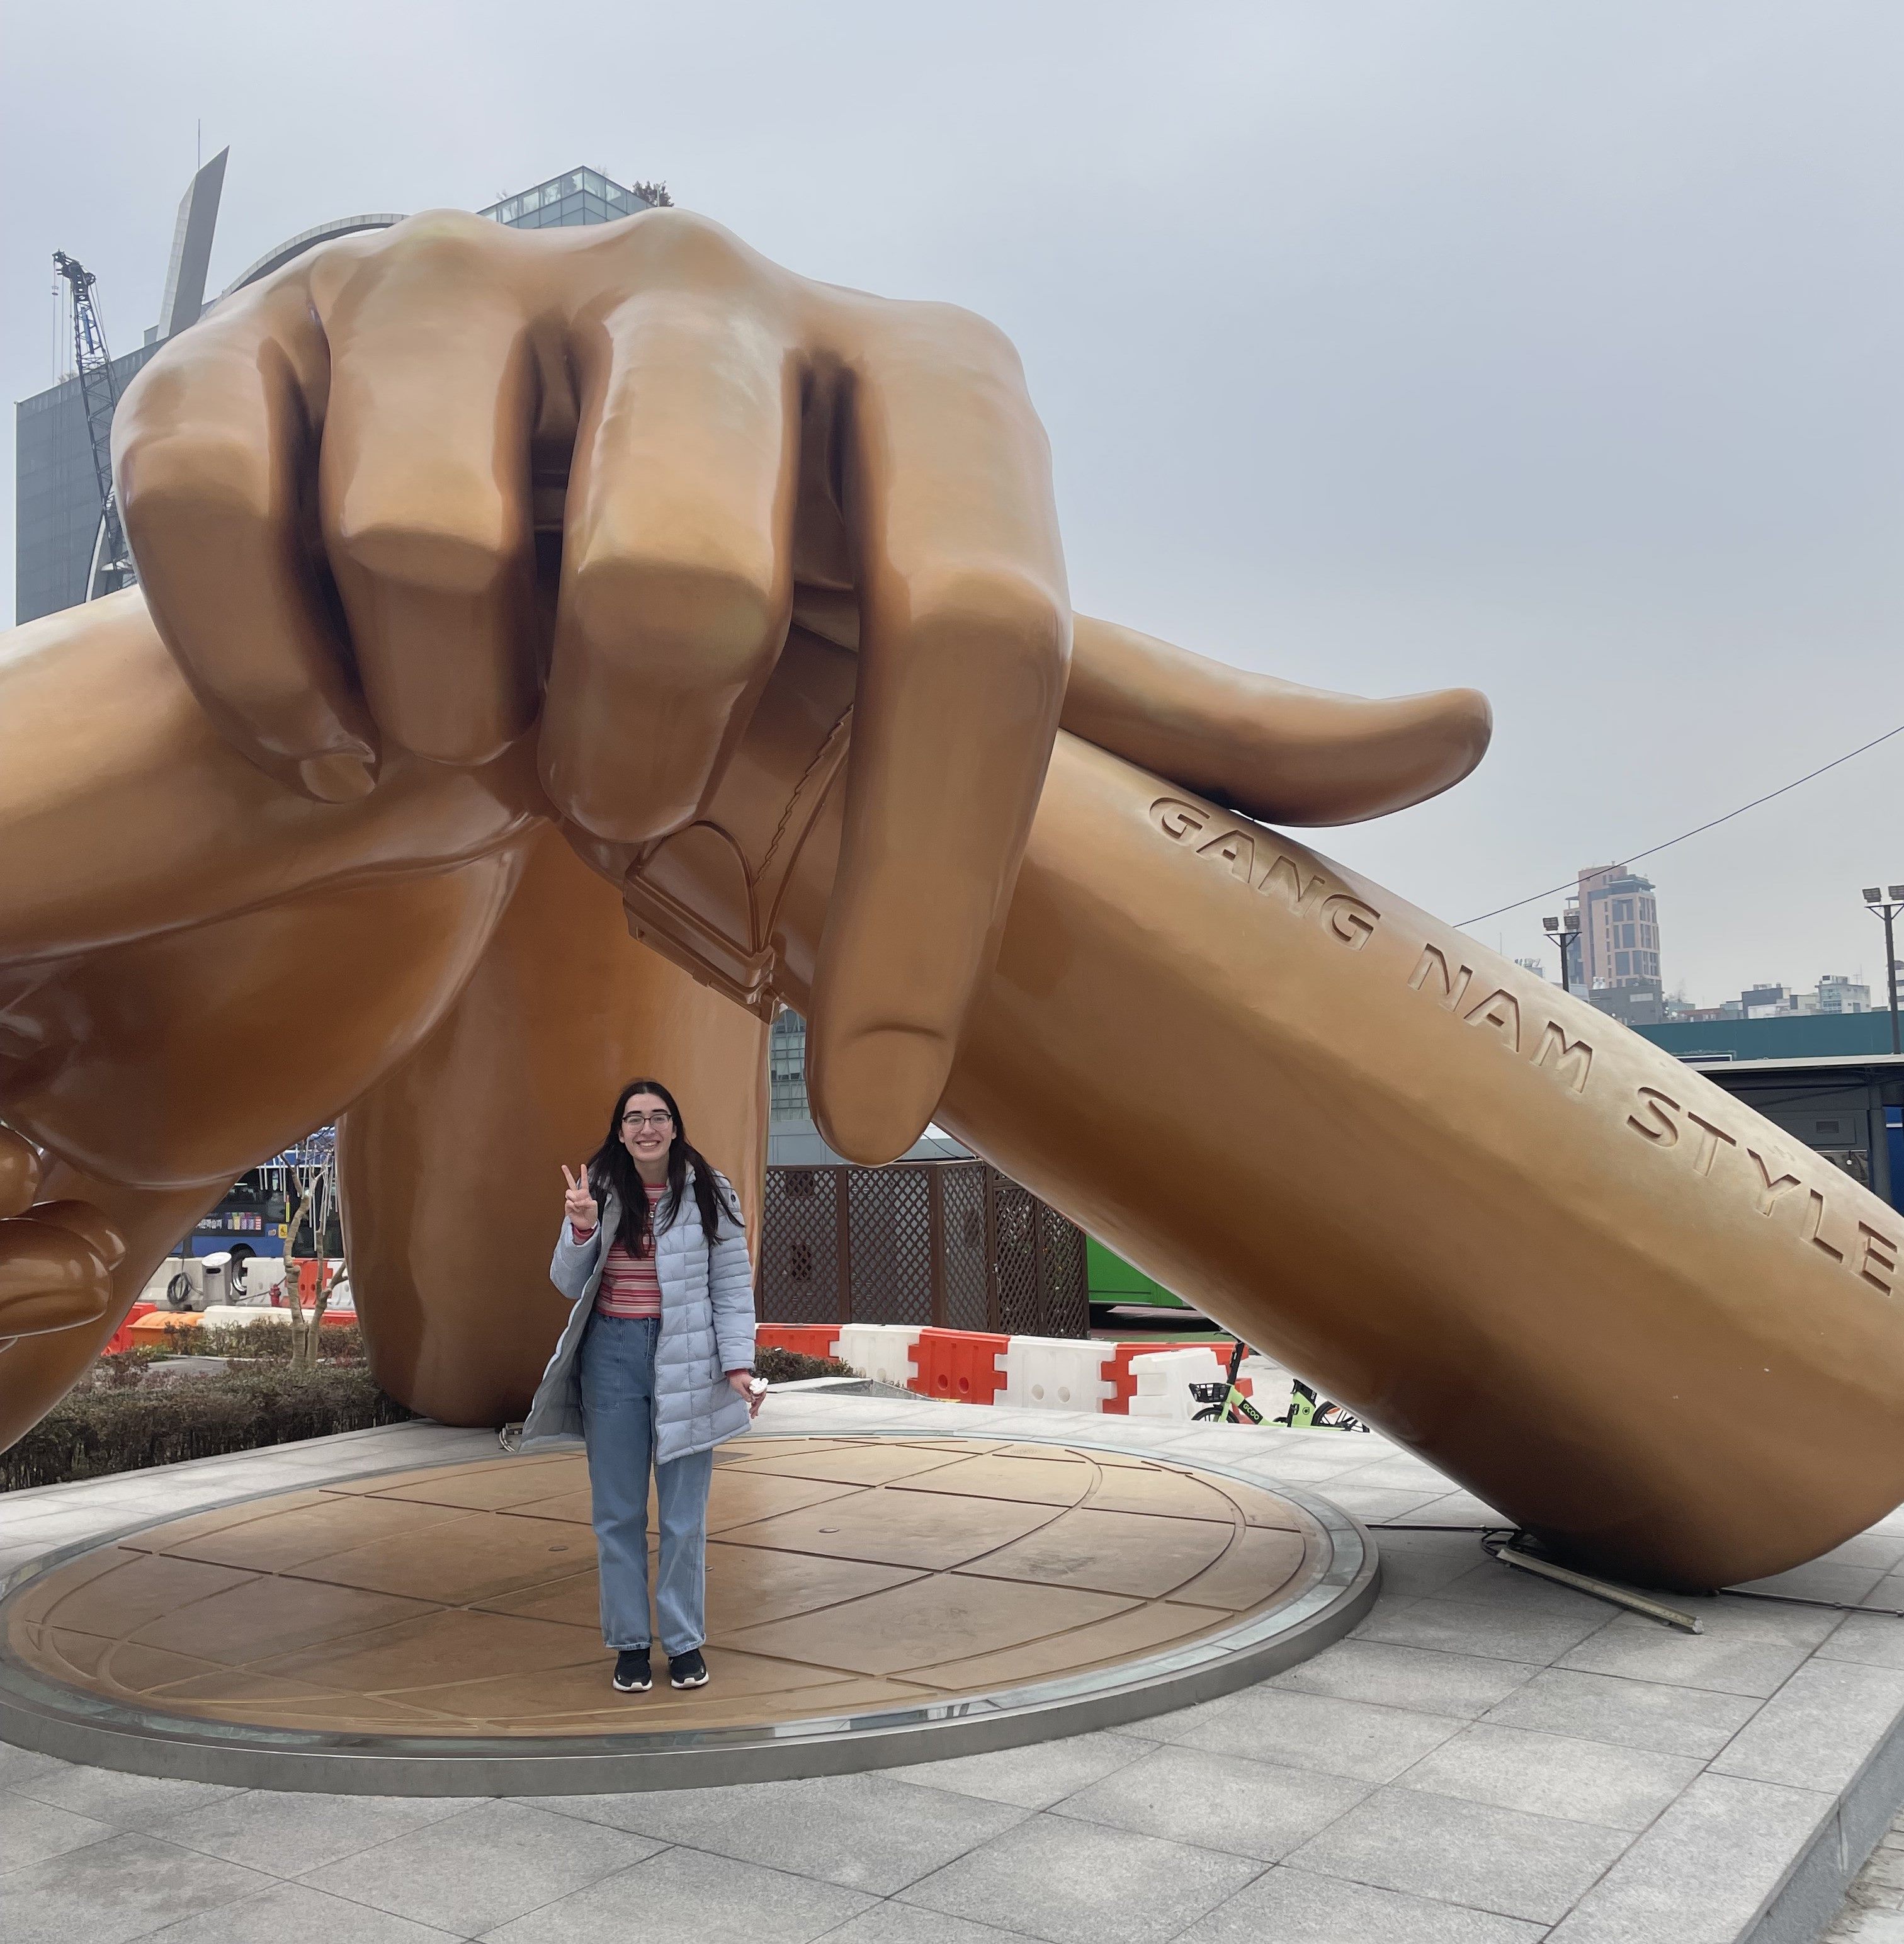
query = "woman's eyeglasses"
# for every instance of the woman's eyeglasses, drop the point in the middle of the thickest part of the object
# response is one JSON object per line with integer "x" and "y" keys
{"x": 661, "y": 1119}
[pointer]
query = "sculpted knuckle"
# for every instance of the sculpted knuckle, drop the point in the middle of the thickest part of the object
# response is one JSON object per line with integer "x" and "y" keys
{"x": 448, "y": 239}
{"x": 717, "y": 613}
{"x": 162, "y": 467}
{"x": 410, "y": 535}
{"x": 1011, "y": 609}
{"x": 977, "y": 341}
{"x": 693, "y": 247}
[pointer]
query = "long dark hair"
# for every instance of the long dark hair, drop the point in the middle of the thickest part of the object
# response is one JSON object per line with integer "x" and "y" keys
{"x": 612, "y": 1166}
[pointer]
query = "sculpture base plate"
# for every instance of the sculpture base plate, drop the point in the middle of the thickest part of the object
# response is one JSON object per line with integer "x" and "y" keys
{"x": 871, "y": 1600}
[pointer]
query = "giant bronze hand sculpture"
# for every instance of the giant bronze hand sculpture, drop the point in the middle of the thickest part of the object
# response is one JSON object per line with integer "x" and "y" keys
{"x": 197, "y": 963}
{"x": 1626, "y": 1311}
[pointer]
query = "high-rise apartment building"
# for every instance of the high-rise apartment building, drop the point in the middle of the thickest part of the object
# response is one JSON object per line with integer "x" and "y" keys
{"x": 57, "y": 507}
{"x": 1619, "y": 927}
{"x": 1613, "y": 958}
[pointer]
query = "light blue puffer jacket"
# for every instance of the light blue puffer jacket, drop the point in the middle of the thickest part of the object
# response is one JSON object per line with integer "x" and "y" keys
{"x": 707, "y": 1329}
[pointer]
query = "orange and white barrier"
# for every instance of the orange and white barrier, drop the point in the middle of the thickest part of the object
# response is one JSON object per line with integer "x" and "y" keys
{"x": 1143, "y": 1379}
{"x": 1055, "y": 1373}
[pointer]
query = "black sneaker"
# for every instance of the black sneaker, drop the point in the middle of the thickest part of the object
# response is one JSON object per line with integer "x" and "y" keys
{"x": 688, "y": 1669}
{"x": 632, "y": 1674}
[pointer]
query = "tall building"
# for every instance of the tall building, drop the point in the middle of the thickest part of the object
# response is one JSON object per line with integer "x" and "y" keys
{"x": 56, "y": 508}
{"x": 1612, "y": 957}
{"x": 1619, "y": 927}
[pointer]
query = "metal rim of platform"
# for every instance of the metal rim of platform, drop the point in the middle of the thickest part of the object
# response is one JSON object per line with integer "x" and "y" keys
{"x": 53, "y": 1719}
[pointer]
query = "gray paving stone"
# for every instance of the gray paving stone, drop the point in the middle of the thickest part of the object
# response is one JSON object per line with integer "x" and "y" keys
{"x": 1748, "y": 1647}
{"x": 109, "y": 1893}
{"x": 1461, "y": 1508}
{"x": 685, "y": 1897}
{"x": 1297, "y": 1468}
{"x": 1488, "y": 1583}
{"x": 1888, "y": 1594}
{"x": 482, "y": 1867}
{"x": 1317, "y": 1732}
{"x": 289, "y": 1835}
{"x": 1499, "y": 1632}
{"x": 863, "y": 1831}
{"x": 1817, "y": 1731}
{"x": 1407, "y": 1677}
{"x": 1175, "y": 1725}
{"x": 1404, "y": 1474}
{"x": 31, "y": 1831}
{"x": 1414, "y": 1563}
{"x": 1515, "y": 1864}
{"x": 125, "y": 1489}
{"x": 49, "y": 1525}
{"x": 1633, "y": 1714}
{"x": 906, "y": 1923}
{"x": 1073, "y": 1883}
{"x": 1033, "y": 1777}
{"x": 19, "y": 1766}
{"x": 290, "y": 1913}
{"x": 1884, "y": 1550}
{"x": 1373, "y": 1503}
{"x": 1820, "y": 1580}
{"x": 126, "y": 1801}
{"x": 1555, "y": 1775}
{"x": 1291, "y": 1906}
{"x": 18, "y": 1510}
{"x": 1217, "y": 1802}
{"x": 1869, "y": 1638}
{"x": 1703, "y": 1870}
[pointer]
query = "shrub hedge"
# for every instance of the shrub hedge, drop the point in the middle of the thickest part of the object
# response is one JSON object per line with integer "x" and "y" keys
{"x": 789, "y": 1367}
{"x": 341, "y": 1342}
{"x": 126, "y": 1427}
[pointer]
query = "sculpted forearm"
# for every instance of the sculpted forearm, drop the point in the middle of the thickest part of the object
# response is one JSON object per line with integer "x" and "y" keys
{"x": 1426, "y": 1178}
{"x": 123, "y": 812}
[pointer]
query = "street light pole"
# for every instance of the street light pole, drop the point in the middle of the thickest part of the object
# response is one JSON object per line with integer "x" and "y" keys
{"x": 1563, "y": 931}
{"x": 1887, "y": 902}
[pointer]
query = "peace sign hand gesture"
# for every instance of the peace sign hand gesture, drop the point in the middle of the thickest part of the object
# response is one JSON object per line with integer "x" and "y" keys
{"x": 579, "y": 1203}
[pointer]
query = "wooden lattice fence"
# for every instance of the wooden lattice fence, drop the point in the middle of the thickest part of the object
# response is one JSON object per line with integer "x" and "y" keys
{"x": 952, "y": 1244}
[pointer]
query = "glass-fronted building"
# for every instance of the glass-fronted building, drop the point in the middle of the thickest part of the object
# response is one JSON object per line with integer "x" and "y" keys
{"x": 57, "y": 503}
{"x": 582, "y": 195}
{"x": 57, "y": 494}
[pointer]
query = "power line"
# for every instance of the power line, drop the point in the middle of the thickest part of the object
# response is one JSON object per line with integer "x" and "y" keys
{"x": 1569, "y": 883}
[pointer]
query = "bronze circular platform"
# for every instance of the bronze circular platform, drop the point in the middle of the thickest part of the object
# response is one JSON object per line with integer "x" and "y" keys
{"x": 438, "y": 1629}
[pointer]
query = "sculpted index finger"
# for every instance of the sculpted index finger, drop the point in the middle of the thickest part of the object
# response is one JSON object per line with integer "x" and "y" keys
{"x": 213, "y": 454}
{"x": 965, "y": 633}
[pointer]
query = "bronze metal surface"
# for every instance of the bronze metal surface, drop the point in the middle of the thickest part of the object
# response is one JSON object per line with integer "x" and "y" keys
{"x": 845, "y": 1576}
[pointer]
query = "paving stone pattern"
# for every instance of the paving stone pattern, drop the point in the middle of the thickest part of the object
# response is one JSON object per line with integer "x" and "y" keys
{"x": 1490, "y": 1760}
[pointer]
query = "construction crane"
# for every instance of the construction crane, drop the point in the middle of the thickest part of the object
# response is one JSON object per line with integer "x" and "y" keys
{"x": 112, "y": 563}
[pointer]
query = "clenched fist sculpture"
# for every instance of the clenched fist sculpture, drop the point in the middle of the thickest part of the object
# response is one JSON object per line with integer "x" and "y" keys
{"x": 524, "y": 590}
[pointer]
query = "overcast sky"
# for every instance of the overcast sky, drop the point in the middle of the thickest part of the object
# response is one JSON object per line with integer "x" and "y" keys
{"x": 1551, "y": 348}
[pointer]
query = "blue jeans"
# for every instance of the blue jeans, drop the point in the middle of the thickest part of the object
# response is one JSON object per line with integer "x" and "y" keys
{"x": 617, "y": 1369}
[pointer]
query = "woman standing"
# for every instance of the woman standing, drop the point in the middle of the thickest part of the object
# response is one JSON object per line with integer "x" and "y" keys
{"x": 654, "y": 1369}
